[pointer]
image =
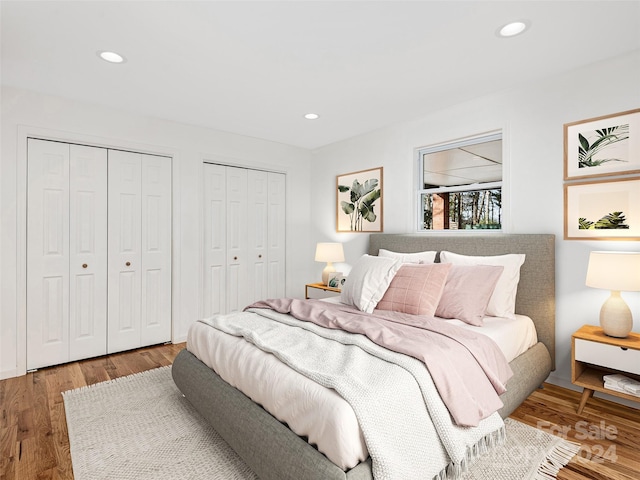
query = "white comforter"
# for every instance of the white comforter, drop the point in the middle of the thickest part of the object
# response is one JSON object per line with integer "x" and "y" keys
{"x": 452, "y": 438}
{"x": 309, "y": 409}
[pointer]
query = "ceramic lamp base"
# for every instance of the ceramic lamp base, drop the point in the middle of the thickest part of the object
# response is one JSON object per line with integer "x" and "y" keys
{"x": 326, "y": 271}
{"x": 615, "y": 316}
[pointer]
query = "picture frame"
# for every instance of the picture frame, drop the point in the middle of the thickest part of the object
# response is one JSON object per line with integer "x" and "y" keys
{"x": 335, "y": 280}
{"x": 602, "y": 210}
{"x": 359, "y": 201}
{"x": 602, "y": 146}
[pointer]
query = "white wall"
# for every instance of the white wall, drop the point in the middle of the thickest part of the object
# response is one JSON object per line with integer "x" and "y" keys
{"x": 532, "y": 119}
{"x": 26, "y": 112}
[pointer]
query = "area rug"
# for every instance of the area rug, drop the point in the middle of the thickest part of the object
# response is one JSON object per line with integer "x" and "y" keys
{"x": 141, "y": 427}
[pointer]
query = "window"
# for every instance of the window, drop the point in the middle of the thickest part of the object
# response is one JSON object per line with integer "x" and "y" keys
{"x": 460, "y": 185}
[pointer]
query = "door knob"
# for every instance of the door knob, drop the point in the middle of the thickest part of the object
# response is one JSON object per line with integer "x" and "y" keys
{"x": 84, "y": 265}
{"x": 128, "y": 264}
{"x": 235, "y": 258}
{"x": 260, "y": 256}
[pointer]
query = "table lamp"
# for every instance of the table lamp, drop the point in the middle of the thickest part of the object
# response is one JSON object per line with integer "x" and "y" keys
{"x": 618, "y": 272}
{"x": 329, "y": 252}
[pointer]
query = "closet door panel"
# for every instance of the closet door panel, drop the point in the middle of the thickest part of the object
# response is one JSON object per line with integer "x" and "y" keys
{"x": 125, "y": 258}
{"x": 276, "y": 252}
{"x": 156, "y": 250}
{"x": 236, "y": 227}
{"x": 88, "y": 252}
{"x": 215, "y": 240}
{"x": 257, "y": 223}
{"x": 244, "y": 225}
{"x": 47, "y": 253}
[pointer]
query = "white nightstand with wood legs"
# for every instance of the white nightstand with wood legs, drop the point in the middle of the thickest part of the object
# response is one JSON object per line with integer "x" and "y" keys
{"x": 594, "y": 354}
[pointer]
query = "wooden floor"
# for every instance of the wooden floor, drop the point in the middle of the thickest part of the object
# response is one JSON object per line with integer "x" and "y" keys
{"x": 608, "y": 432}
{"x": 34, "y": 442}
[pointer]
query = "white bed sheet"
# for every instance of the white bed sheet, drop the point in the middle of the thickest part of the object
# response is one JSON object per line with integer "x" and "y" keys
{"x": 309, "y": 409}
{"x": 513, "y": 336}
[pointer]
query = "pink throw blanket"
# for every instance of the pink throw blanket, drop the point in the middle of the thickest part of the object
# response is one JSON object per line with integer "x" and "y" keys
{"x": 468, "y": 369}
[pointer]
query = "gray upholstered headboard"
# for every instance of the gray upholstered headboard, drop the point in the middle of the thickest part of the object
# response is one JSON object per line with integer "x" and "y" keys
{"x": 536, "y": 290}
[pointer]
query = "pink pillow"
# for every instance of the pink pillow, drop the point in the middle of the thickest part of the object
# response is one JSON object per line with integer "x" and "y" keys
{"x": 468, "y": 291}
{"x": 416, "y": 289}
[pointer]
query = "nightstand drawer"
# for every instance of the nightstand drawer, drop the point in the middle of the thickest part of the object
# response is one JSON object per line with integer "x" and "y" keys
{"x": 610, "y": 356}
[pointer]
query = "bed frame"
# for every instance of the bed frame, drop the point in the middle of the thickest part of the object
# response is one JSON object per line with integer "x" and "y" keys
{"x": 274, "y": 452}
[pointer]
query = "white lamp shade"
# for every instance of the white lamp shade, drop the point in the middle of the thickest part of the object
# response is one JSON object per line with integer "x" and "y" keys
{"x": 617, "y": 271}
{"x": 329, "y": 252}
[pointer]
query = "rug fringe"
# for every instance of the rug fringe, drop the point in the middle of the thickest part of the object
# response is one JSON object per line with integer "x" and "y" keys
{"x": 110, "y": 382}
{"x": 557, "y": 458}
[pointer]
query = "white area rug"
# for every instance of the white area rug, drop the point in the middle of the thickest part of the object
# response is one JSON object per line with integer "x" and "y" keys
{"x": 141, "y": 427}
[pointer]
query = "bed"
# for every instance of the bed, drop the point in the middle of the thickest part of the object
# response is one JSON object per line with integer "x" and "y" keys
{"x": 273, "y": 451}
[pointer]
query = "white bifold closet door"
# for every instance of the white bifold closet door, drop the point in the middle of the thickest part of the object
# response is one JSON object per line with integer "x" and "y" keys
{"x": 266, "y": 223}
{"x": 225, "y": 278}
{"x": 139, "y": 250}
{"x": 236, "y": 235}
{"x": 258, "y": 226}
{"x": 244, "y": 231}
{"x": 66, "y": 252}
{"x": 276, "y": 252}
{"x": 98, "y": 251}
{"x": 215, "y": 239}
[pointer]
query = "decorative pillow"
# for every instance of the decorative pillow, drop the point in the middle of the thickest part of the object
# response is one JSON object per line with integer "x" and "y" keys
{"x": 420, "y": 257}
{"x": 368, "y": 280}
{"x": 416, "y": 289}
{"x": 503, "y": 300}
{"x": 467, "y": 292}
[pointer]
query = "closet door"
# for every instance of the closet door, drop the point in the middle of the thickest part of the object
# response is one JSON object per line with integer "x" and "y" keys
{"x": 215, "y": 239}
{"x": 139, "y": 250}
{"x": 156, "y": 250}
{"x": 236, "y": 226}
{"x": 66, "y": 252}
{"x": 47, "y": 253}
{"x": 276, "y": 252}
{"x": 125, "y": 257}
{"x": 244, "y": 237}
{"x": 266, "y": 224}
{"x": 87, "y": 252}
{"x": 257, "y": 223}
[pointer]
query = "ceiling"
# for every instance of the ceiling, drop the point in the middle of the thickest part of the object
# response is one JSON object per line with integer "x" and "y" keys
{"x": 463, "y": 165}
{"x": 255, "y": 68}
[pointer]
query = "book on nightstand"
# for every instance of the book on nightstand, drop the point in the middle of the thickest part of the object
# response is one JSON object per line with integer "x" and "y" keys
{"x": 620, "y": 383}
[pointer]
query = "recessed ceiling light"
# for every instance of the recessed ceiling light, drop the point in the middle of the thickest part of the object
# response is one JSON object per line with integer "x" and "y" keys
{"x": 312, "y": 116}
{"x": 111, "y": 57}
{"x": 512, "y": 29}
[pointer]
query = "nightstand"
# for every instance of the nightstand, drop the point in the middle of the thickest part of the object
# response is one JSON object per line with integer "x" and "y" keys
{"x": 320, "y": 286}
{"x": 594, "y": 354}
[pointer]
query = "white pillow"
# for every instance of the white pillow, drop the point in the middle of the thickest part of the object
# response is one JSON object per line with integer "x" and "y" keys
{"x": 503, "y": 299}
{"x": 368, "y": 281}
{"x": 420, "y": 257}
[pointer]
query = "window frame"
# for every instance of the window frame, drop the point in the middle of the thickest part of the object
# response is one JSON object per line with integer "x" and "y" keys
{"x": 449, "y": 145}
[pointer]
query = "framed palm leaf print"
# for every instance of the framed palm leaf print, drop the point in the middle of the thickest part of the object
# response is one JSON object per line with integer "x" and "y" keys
{"x": 602, "y": 146}
{"x": 359, "y": 201}
{"x": 602, "y": 210}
